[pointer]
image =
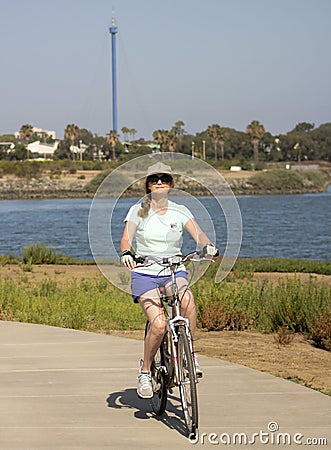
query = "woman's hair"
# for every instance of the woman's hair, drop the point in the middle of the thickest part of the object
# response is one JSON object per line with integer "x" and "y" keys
{"x": 146, "y": 203}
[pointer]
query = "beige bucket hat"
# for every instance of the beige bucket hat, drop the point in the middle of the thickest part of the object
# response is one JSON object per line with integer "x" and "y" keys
{"x": 159, "y": 168}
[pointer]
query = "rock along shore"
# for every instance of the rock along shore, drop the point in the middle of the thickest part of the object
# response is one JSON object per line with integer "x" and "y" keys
{"x": 14, "y": 188}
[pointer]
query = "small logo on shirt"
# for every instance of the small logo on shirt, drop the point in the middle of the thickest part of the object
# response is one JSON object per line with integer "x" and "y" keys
{"x": 173, "y": 226}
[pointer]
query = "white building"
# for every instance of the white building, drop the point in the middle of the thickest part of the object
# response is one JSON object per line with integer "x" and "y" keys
{"x": 40, "y": 133}
{"x": 41, "y": 150}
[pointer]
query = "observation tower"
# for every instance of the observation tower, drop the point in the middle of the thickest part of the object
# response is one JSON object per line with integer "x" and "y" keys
{"x": 113, "y": 32}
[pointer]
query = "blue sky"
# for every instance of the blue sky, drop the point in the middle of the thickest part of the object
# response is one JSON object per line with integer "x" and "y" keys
{"x": 202, "y": 62}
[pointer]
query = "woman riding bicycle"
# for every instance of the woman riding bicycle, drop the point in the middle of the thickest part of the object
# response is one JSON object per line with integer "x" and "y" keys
{"x": 158, "y": 223}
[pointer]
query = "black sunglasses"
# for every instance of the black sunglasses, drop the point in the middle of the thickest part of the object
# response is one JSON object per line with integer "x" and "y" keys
{"x": 156, "y": 178}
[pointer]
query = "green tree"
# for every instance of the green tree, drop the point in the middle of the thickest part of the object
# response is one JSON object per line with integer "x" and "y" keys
{"x": 172, "y": 142}
{"x": 304, "y": 127}
{"x": 132, "y": 133}
{"x": 223, "y": 136}
{"x": 126, "y": 131}
{"x": 26, "y": 133}
{"x": 300, "y": 142}
{"x": 255, "y": 131}
{"x": 161, "y": 138}
{"x": 71, "y": 133}
{"x": 214, "y": 132}
{"x": 322, "y": 142}
{"x": 112, "y": 138}
{"x": 178, "y": 131}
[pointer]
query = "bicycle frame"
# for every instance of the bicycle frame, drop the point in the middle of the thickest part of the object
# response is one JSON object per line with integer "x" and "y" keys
{"x": 175, "y": 363}
{"x": 173, "y": 323}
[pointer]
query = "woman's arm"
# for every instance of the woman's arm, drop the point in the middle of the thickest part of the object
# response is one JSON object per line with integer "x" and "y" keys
{"x": 197, "y": 234}
{"x": 127, "y": 237}
{"x": 126, "y": 244}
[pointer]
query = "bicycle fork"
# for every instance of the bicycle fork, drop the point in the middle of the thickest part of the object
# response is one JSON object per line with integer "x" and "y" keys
{"x": 173, "y": 324}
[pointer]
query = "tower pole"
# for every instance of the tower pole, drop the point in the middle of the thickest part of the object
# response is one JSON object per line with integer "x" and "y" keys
{"x": 113, "y": 32}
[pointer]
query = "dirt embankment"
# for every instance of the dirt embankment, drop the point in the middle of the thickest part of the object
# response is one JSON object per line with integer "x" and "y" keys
{"x": 66, "y": 185}
{"x": 73, "y": 185}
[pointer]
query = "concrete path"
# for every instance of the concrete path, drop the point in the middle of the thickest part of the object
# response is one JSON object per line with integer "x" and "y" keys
{"x": 66, "y": 389}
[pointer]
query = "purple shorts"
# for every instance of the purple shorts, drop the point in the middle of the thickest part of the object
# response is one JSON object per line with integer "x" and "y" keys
{"x": 142, "y": 282}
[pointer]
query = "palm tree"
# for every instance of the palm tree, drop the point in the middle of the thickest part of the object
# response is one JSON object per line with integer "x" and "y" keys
{"x": 25, "y": 135}
{"x": 132, "y": 132}
{"x": 179, "y": 131}
{"x": 172, "y": 142}
{"x": 214, "y": 133}
{"x": 71, "y": 134}
{"x": 255, "y": 131}
{"x": 125, "y": 131}
{"x": 161, "y": 138}
{"x": 112, "y": 138}
{"x": 223, "y": 136}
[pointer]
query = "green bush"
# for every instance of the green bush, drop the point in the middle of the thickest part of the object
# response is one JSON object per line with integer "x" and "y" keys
{"x": 39, "y": 254}
{"x": 321, "y": 331}
{"x": 9, "y": 259}
{"x": 88, "y": 306}
{"x": 250, "y": 265}
{"x": 236, "y": 304}
{"x": 277, "y": 180}
{"x": 281, "y": 180}
{"x": 94, "y": 184}
{"x": 265, "y": 307}
{"x": 315, "y": 176}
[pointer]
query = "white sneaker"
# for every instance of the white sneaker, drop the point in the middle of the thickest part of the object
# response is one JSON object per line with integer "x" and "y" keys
{"x": 144, "y": 389}
{"x": 198, "y": 369}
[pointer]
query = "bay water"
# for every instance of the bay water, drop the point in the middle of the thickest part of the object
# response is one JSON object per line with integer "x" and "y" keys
{"x": 285, "y": 226}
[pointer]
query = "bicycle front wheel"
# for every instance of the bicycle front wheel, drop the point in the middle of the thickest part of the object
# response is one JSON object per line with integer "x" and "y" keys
{"x": 159, "y": 376}
{"x": 187, "y": 381}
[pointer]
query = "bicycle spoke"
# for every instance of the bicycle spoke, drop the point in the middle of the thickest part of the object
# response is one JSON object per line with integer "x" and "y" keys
{"x": 159, "y": 377}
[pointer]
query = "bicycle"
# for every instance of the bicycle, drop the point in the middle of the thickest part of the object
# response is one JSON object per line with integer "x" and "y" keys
{"x": 174, "y": 362}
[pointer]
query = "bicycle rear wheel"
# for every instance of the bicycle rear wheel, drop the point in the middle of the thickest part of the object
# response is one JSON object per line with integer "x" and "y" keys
{"x": 159, "y": 376}
{"x": 187, "y": 382}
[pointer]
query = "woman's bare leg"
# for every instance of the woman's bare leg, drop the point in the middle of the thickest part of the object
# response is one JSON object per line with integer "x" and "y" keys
{"x": 152, "y": 308}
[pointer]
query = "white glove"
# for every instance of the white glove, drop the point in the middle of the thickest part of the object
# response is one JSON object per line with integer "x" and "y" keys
{"x": 127, "y": 259}
{"x": 210, "y": 249}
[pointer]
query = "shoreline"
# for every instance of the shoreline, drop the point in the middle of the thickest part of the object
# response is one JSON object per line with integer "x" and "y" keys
{"x": 67, "y": 195}
{"x": 75, "y": 186}
{"x": 58, "y": 194}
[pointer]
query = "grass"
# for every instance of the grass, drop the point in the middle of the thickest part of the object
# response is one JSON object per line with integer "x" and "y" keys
{"x": 88, "y": 306}
{"x": 265, "y": 307}
{"x": 243, "y": 304}
{"x": 238, "y": 303}
{"x": 40, "y": 253}
{"x": 281, "y": 180}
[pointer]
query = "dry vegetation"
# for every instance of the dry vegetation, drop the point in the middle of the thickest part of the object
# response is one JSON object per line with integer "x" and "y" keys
{"x": 284, "y": 354}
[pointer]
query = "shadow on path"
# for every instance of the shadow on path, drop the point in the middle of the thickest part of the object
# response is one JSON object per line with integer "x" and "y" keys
{"x": 172, "y": 418}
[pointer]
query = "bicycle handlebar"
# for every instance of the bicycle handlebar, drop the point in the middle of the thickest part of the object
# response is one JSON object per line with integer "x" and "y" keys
{"x": 176, "y": 260}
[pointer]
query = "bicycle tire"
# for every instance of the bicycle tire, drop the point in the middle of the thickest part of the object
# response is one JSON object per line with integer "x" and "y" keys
{"x": 187, "y": 382}
{"x": 159, "y": 376}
